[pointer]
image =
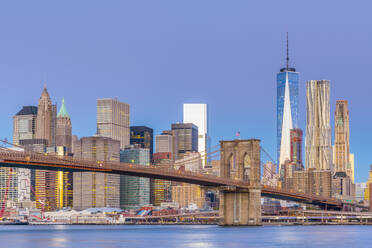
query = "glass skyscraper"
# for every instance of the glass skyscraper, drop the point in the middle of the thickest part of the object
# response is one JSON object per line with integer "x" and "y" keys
{"x": 287, "y": 110}
{"x": 134, "y": 191}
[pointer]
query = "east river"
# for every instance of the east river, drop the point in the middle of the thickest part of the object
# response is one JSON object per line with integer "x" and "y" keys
{"x": 183, "y": 236}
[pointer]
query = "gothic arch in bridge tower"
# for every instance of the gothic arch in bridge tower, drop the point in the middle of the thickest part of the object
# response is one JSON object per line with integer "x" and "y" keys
{"x": 246, "y": 167}
{"x": 240, "y": 160}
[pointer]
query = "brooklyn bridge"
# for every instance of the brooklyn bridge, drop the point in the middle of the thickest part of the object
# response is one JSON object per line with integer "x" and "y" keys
{"x": 239, "y": 184}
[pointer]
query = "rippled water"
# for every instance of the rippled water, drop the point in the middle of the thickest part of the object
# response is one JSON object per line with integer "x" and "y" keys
{"x": 184, "y": 236}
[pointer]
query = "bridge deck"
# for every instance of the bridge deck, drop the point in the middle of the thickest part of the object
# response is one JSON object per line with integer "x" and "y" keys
{"x": 50, "y": 162}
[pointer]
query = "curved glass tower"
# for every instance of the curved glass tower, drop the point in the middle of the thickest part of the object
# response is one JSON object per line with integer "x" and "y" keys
{"x": 287, "y": 109}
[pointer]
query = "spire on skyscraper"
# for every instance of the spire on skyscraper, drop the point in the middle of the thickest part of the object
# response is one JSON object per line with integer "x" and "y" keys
{"x": 287, "y": 68}
{"x": 63, "y": 111}
{"x": 287, "y": 53}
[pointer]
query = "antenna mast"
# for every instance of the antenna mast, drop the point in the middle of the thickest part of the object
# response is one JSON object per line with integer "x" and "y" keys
{"x": 287, "y": 54}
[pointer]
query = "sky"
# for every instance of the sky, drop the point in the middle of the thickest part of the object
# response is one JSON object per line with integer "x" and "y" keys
{"x": 157, "y": 55}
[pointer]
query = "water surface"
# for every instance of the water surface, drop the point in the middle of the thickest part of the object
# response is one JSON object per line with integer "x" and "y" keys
{"x": 184, "y": 236}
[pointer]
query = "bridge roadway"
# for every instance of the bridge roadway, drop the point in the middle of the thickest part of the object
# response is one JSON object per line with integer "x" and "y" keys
{"x": 9, "y": 158}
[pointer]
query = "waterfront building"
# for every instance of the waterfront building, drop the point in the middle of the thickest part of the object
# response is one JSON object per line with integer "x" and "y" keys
{"x": 161, "y": 190}
{"x": 142, "y": 136}
{"x": 186, "y": 138}
{"x": 312, "y": 181}
{"x": 113, "y": 120}
{"x": 359, "y": 191}
{"x": 287, "y": 109}
{"x": 185, "y": 193}
{"x": 64, "y": 129}
{"x": 318, "y": 130}
{"x": 46, "y": 119}
{"x": 197, "y": 113}
{"x": 134, "y": 191}
{"x": 15, "y": 182}
{"x": 93, "y": 189}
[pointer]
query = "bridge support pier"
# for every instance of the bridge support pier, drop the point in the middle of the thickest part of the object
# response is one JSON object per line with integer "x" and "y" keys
{"x": 240, "y": 207}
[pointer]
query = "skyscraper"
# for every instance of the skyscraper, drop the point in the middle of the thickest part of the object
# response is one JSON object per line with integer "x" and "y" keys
{"x": 318, "y": 129}
{"x": 134, "y": 191}
{"x": 296, "y": 146}
{"x": 113, "y": 120}
{"x": 24, "y": 124}
{"x": 92, "y": 189}
{"x": 287, "y": 109}
{"x": 186, "y": 138}
{"x": 142, "y": 136}
{"x": 342, "y": 138}
{"x": 164, "y": 143}
{"x": 197, "y": 113}
{"x": 46, "y": 119}
{"x": 64, "y": 129}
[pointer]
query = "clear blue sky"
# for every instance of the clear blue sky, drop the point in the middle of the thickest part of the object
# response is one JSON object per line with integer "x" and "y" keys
{"x": 156, "y": 55}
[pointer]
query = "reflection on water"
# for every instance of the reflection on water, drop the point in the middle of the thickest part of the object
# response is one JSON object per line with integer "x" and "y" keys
{"x": 184, "y": 236}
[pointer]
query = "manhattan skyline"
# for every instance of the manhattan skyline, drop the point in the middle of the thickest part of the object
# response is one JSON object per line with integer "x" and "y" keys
{"x": 147, "y": 61}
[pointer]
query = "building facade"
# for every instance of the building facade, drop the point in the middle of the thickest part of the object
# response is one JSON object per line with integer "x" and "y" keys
{"x": 93, "y": 189}
{"x": 46, "y": 119}
{"x": 143, "y": 136}
{"x": 113, "y": 120}
{"x": 318, "y": 129}
{"x": 287, "y": 110}
{"x": 296, "y": 147}
{"x": 64, "y": 129}
{"x": 134, "y": 191}
{"x": 197, "y": 113}
{"x": 164, "y": 143}
{"x": 342, "y": 138}
{"x": 186, "y": 138}
{"x": 24, "y": 124}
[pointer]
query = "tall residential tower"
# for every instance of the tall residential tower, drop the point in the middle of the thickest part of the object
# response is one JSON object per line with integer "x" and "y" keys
{"x": 318, "y": 129}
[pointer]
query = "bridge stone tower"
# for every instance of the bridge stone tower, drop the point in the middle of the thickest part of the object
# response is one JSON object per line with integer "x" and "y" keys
{"x": 240, "y": 160}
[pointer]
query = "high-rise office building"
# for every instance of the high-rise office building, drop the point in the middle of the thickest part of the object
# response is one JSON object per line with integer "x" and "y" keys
{"x": 46, "y": 119}
{"x": 143, "y": 136}
{"x": 164, "y": 143}
{"x": 296, "y": 146}
{"x": 287, "y": 109}
{"x": 24, "y": 124}
{"x": 24, "y": 128}
{"x": 113, "y": 120}
{"x": 186, "y": 138}
{"x": 92, "y": 189}
{"x": 197, "y": 113}
{"x": 134, "y": 191}
{"x": 318, "y": 130}
{"x": 64, "y": 129}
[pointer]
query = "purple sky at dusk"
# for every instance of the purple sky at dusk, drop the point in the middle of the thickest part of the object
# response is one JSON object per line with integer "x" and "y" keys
{"x": 156, "y": 55}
